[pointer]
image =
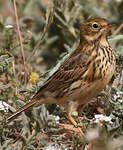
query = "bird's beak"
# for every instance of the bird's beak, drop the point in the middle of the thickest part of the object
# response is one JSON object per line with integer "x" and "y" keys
{"x": 109, "y": 26}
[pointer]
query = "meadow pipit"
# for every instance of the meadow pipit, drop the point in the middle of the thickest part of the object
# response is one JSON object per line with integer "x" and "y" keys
{"x": 82, "y": 75}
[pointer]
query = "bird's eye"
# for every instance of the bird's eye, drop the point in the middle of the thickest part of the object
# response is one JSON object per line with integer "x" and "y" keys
{"x": 95, "y": 26}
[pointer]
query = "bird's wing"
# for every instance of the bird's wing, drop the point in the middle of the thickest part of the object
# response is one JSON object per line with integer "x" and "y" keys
{"x": 71, "y": 70}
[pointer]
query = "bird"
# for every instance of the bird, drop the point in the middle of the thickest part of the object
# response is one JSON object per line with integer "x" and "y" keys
{"x": 82, "y": 75}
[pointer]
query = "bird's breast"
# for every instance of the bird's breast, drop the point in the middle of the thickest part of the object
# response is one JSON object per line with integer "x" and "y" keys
{"x": 101, "y": 64}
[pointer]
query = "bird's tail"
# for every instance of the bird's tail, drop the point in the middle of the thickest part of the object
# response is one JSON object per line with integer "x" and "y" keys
{"x": 20, "y": 110}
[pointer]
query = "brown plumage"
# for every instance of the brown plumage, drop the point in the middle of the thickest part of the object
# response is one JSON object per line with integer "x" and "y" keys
{"x": 82, "y": 75}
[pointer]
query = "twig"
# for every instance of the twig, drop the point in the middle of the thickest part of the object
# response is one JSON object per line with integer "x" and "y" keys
{"x": 71, "y": 128}
{"x": 117, "y": 30}
{"x": 49, "y": 22}
{"x": 26, "y": 141}
{"x": 21, "y": 41}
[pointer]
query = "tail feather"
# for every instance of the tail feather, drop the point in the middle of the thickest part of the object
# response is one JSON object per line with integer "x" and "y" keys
{"x": 20, "y": 110}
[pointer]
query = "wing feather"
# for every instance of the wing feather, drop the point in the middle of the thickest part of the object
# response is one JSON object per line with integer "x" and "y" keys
{"x": 71, "y": 70}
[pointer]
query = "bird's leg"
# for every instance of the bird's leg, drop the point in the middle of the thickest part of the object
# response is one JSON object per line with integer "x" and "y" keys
{"x": 74, "y": 123}
{"x": 72, "y": 106}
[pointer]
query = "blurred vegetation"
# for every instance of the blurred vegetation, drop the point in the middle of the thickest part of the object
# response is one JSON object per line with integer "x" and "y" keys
{"x": 40, "y": 131}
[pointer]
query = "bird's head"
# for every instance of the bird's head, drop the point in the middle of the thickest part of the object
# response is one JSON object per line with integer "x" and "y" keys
{"x": 95, "y": 28}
